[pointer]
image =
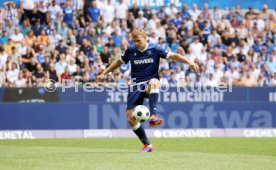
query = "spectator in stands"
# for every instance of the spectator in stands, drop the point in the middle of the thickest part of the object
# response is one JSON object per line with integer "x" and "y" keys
{"x": 115, "y": 54}
{"x": 53, "y": 74}
{"x": 10, "y": 26}
{"x": 2, "y": 76}
{"x": 194, "y": 12}
{"x": 11, "y": 12}
{"x": 92, "y": 75}
{"x": 27, "y": 6}
{"x": 124, "y": 29}
{"x": 139, "y": 22}
{"x": 260, "y": 23}
{"x": 228, "y": 55}
{"x": 232, "y": 42}
{"x": 134, "y": 10}
{"x": 46, "y": 64}
{"x": 54, "y": 11}
{"x": 153, "y": 21}
{"x": 274, "y": 80}
{"x": 163, "y": 80}
{"x": 78, "y": 75}
{"x": 130, "y": 20}
{"x": 212, "y": 38}
{"x": 232, "y": 74}
{"x": 271, "y": 64}
{"x": 21, "y": 81}
{"x": 93, "y": 12}
{"x": 12, "y": 74}
{"x": 60, "y": 47}
{"x": 205, "y": 11}
{"x": 171, "y": 10}
{"x": 85, "y": 47}
{"x": 70, "y": 38}
{"x": 212, "y": 82}
{"x": 8, "y": 46}
{"x": 241, "y": 57}
{"x": 177, "y": 21}
{"x": 68, "y": 13}
{"x": 179, "y": 74}
{"x": 4, "y": 38}
{"x": 108, "y": 12}
{"x": 161, "y": 14}
{"x": 121, "y": 10}
{"x": 105, "y": 55}
{"x": 65, "y": 76}
{"x": 38, "y": 76}
{"x": 30, "y": 39}
{"x": 36, "y": 28}
{"x": 2, "y": 16}
{"x": 15, "y": 55}
{"x": 172, "y": 81}
{"x": 60, "y": 65}
{"x": 55, "y": 38}
{"x": 42, "y": 38}
{"x": 35, "y": 17}
{"x": 3, "y": 57}
{"x": 248, "y": 81}
{"x": 72, "y": 66}
{"x": 117, "y": 38}
{"x": 268, "y": 81}
{"x": 264, "y": 54}
{"x": 184, "y": 12}
{"x": 147, "y": 12}
{"x": 196, "y": 47}
{"x": 25, "y": 27}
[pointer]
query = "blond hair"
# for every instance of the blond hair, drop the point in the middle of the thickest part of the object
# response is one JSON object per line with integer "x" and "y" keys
{"x": 138, "y": 32}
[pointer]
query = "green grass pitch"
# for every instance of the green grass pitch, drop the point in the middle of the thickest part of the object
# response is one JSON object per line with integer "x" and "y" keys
{"x": 118, "y": 154}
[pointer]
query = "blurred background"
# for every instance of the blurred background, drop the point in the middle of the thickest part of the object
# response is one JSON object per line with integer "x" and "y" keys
{"x": 51, "y": 52}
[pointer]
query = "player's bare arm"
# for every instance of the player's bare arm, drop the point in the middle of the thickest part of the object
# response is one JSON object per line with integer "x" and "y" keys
{"x": 112, "y": 67}
{"x": 178, "y": 57}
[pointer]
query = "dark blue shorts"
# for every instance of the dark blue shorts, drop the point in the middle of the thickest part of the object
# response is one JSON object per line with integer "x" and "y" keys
{"x": 136, "y": 95}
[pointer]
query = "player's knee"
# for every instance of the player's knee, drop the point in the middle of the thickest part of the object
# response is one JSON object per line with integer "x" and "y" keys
{"x": 154, "y": 83}
{"x": 130, "y": 119}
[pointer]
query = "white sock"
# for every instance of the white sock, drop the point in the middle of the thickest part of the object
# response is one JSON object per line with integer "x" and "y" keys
{"x": 136, "y": 126}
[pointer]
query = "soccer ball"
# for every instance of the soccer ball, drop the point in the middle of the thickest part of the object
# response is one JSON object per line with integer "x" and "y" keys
{"x": 141, "y": 113}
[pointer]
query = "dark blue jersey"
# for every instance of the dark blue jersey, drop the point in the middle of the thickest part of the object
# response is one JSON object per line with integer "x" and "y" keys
{"x": 144, "y": 64}
{"x": 68, "y": 14}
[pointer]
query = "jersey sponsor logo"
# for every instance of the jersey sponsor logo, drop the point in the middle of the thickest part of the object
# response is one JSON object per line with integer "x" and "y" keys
{"x": 143, "y": 61}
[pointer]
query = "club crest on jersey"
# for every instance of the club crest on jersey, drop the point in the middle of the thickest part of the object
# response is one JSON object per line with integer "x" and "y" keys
{"x": 143, "y": 61}
{"x": 149, "y": 52}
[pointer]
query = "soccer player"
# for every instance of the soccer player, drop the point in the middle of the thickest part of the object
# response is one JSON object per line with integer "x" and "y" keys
{"x": 144, "y": 58}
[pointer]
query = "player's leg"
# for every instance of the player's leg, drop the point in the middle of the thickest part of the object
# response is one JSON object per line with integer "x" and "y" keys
{"x": 153, "y": 90}
{"x": 139, "y": 131}
{"x": 137, "y": 128}
{"x": 135, "y": 98}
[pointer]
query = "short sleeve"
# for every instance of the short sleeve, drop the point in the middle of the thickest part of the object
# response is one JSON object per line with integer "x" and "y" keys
{"x": 125, "y": 56}
{"x": 161, "y": 52}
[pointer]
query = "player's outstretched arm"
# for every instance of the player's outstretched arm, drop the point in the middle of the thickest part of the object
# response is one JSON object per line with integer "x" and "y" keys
{"x": 178, "y": 57}
{"x": 112, "y": 67}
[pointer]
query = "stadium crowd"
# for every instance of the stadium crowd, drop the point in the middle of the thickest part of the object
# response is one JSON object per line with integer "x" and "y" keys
{"x": 77, "y": 39}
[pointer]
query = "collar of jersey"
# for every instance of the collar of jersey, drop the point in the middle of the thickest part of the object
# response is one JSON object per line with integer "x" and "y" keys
{"x": 144, "y": 49}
